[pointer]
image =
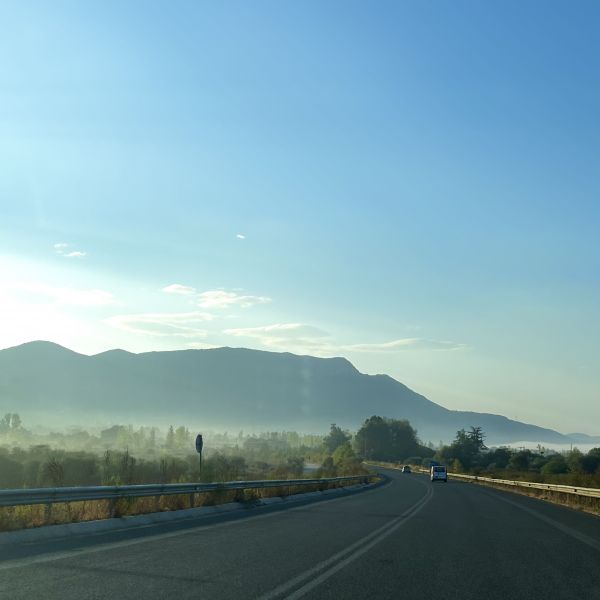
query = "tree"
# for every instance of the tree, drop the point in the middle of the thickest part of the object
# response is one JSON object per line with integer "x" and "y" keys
{"x": 477, "y": 438}
{"x": 345, "y": 460}
{"x": 519, "y": 461}
{"x": 467, "y": 447}
{"x": 80, "y": 468}
{"x": 126, "y": 467}
{"x": 386, "y": 439}
{"x": 5, "y": 423}
{"x": 557, "y": 464}
{"x": 457, "y": 466}
{"x": 170, "y": 441}
{"x": 54, "y": 472}
{"x": 590, "y": 463}
{"x": 498, "y": 458}
{"x": 152, "y": 438}
{"x": 335, "y": 438}
{"x": 11, "y": 473}
{"x": 295, "y": 466}
{"x": 183, "y": 438}
{"x": 404, "y": 438}
{"x": 574, "y": 460}
{"x": 115, "y": 435}
{"x": 327, "y": 468}
{"x": 372, "y": 441}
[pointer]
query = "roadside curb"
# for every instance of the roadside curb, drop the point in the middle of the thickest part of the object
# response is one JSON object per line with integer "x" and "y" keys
{"x": 51, "y": 532}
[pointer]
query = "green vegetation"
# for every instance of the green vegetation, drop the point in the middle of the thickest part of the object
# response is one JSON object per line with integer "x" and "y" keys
{"x": 122, "y": 454}
{"x": 335, "y": 438}
{"x": 126, "y": 455}
{"x": 468, "y": 454}
{"x": 388, "y": 440}
{"x": 378, "y": 439}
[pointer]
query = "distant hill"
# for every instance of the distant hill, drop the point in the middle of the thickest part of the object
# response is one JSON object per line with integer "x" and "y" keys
{"x": 228, "y": 388}
{"x": 583, "y": 438}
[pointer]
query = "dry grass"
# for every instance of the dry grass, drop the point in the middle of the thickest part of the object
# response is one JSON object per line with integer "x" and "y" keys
{"x": 23, "y": 517}
{"x": 583, "y": 503}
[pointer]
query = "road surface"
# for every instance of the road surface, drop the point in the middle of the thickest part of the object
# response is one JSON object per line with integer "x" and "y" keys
{"x": 408, "y": 539}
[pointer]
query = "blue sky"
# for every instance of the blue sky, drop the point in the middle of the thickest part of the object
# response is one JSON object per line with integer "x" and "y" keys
{"x": 411, "y": 185}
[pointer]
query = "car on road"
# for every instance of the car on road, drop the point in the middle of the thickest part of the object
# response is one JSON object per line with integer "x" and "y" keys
{"x": 406, "y": 469}
{"x": 439, "y": 473}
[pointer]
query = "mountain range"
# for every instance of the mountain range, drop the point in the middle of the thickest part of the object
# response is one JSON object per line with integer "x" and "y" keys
{"x": 229, "y": 388}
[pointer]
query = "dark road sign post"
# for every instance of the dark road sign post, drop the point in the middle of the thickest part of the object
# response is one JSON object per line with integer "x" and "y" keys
{"x": 199, "y": 446}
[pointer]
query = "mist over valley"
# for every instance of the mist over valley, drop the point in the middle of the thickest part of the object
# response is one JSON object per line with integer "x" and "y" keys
{"x": 229, "y": 389}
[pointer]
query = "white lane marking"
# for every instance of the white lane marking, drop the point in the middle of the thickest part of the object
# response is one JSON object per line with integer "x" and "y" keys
{"x": 53, "y": 556}
{"x": 585, "y": 539}
{"x": 343, "y": 558}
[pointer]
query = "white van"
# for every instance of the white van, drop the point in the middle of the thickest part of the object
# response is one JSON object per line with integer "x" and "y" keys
{"x": 439, "y": 473}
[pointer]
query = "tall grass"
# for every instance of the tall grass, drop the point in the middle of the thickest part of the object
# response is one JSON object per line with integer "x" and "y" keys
{"x": 28, "y": 516}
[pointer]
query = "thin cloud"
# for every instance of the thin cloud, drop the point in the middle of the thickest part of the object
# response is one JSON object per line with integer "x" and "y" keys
{"x": 61, "y": 249}
{"x": 300, "y": 337}
{"x": 176, "y": 288}
{"x": 287, "y": 336}
{"x": 179, "y": 325}
{"x": 240, "y": 236}
{"x": 200, "y": 346}
{"x": 407, "y": 344}
{"x": 218, "y": 299}
{"x": 279, "y": 330}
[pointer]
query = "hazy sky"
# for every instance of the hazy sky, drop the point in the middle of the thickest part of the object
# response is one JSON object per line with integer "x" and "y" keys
{"x": 412, "y": 185}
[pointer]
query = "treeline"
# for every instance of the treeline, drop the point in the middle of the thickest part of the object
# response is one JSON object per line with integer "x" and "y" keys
{"x": 469, "y": 454}
{"x": 41, "y": 466}
{"x": 152, "y": 441}
{"x": 378, "y": 438}
{"x": 123, "y": 455}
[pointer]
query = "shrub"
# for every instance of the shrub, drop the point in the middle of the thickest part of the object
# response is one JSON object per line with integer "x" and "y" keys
{"x": 556, "y": 465}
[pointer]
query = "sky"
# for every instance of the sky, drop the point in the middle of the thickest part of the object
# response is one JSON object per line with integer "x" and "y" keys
{"x": 411, "y": 185}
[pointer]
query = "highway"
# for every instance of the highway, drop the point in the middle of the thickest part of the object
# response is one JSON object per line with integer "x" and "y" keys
{"x": 407, "y": 539}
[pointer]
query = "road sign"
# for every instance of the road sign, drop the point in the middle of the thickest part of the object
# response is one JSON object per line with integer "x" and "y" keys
{"x": 199, "y": 443}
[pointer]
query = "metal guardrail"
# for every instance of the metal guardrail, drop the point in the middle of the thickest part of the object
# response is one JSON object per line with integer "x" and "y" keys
{"x": 80, "y": 494}
{"x": 549, "y": 487}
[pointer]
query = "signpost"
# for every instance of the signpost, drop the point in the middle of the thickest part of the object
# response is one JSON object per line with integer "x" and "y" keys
{"x": 199, "y": 445}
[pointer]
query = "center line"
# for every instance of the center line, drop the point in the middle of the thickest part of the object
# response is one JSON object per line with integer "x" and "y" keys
{"x": 343, "y": 558}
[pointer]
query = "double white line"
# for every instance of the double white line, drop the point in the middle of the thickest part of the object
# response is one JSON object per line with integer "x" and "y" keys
{"x": 315, "y": 576}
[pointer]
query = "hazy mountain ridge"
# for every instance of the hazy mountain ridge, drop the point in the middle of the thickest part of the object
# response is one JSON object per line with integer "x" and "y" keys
{"x": 583, "y": 438}
{"x": 228, "y": 388}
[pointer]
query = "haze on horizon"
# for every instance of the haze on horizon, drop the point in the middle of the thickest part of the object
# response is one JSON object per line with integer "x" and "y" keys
{"x": 412, "y": 187}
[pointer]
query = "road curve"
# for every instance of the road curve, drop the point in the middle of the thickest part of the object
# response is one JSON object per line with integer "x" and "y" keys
{"x": 408, "y": 539}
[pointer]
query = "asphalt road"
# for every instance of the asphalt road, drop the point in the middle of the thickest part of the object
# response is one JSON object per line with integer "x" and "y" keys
{"x": 408, "y": 539}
